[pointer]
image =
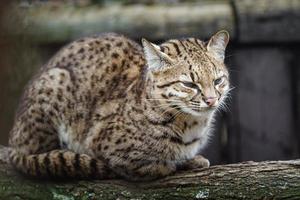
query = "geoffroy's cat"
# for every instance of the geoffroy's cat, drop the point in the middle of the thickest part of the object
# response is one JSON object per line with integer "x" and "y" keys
{"x": 106, "y": 107}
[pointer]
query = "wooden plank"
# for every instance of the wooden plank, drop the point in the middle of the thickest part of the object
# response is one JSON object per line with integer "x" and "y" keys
{"x": 155, "y": 22}
{"x": 268, "y": 20}
{"x": 264, "y": 104}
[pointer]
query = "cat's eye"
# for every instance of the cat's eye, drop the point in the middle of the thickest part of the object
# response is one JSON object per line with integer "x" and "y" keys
{"x": 218, "y": 81}
{"x": 190, "y": 85}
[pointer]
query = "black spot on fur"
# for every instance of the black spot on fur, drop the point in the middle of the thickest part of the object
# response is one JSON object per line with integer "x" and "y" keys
{"x": 115, "y": 55}
{"x": 80, "y": 50}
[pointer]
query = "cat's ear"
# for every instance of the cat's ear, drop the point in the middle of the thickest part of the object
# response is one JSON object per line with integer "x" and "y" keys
{"x": 155, "y": 58}
{"x": 217, "y": 44}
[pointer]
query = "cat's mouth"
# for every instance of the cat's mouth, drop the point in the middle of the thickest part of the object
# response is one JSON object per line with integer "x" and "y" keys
{"x": 202, "y": 109}
{"x": 198, "y": 111}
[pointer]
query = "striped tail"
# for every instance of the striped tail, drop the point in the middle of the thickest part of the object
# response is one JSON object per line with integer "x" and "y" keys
{"x": 59, "y": 164}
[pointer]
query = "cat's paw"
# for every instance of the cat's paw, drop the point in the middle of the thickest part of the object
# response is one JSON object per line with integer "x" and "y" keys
{"x": 197, "y": 162}
{"x": 4, "y": 154}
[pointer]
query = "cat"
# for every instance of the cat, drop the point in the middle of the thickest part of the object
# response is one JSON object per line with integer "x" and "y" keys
{"x": 106, "y": 107}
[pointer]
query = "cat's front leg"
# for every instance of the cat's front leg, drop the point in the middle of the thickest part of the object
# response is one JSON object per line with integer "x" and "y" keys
{"x": 197, "y": 162}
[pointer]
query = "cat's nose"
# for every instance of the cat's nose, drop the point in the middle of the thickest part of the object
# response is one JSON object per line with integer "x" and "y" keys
{"x": 210, "y": 101}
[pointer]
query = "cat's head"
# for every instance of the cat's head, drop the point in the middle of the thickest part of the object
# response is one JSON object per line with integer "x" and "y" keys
{"x": 188, "y": 74}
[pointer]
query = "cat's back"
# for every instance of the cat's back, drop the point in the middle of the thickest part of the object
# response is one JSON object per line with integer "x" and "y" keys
{"x": 82, "y": 76}
{"x": 100, "y": 58}
{"x": 88, "y": 70}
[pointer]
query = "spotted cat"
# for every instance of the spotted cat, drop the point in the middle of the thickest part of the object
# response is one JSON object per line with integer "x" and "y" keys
{"x": 106, "y": 107}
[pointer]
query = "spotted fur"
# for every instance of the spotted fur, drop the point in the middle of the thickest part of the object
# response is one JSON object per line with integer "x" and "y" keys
{"x": 104, "y": 106}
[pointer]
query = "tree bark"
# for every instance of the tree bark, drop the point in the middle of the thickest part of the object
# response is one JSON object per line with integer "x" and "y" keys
{"x": 249, "y": 180}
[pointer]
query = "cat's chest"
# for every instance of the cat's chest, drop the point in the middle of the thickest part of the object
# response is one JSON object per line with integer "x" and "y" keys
{"x": 194, "y": 137}
{"x": 196, "y": 131}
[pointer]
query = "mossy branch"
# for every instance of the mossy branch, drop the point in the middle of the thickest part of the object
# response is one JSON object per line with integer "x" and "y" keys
{"x": 249, "y": 180}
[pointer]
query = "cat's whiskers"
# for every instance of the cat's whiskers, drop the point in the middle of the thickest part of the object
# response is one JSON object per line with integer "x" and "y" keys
{"x": 185, "y": 117}
{"x": 176, "y": 114}
{"x": 163, "y": 105}
{"x": 223, "y": 106}
{"x": 167, "y": 100}
{"x": 167, "y": 110}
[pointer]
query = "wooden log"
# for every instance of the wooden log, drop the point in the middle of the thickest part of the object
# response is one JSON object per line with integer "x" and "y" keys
{"x": 155, "y": 22}
{"x": 249, "y": 180}
{"x": 267, "y": 20}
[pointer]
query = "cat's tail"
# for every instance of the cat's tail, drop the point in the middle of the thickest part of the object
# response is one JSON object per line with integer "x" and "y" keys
{"x": 60, "y": 164}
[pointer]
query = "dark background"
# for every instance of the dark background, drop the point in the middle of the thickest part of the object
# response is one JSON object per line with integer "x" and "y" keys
{"x": 262, "y": 122}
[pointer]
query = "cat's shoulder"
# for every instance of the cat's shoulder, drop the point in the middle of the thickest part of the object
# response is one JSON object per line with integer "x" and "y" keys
{"x": 107, "y": 40}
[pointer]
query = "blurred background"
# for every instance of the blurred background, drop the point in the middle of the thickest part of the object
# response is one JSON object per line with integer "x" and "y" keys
{"x": 263, "y": 119}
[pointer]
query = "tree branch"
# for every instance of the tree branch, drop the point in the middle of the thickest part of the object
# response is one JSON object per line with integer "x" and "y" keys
{"x": 249, "y": 180}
